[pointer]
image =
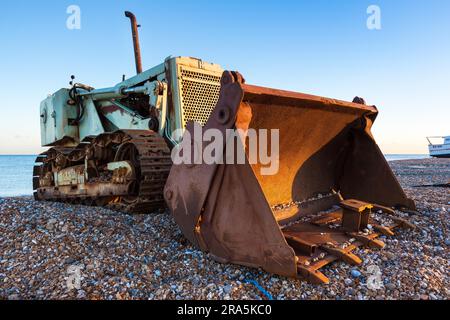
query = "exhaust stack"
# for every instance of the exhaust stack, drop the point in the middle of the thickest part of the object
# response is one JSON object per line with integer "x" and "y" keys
{"x": 137, "y": 48}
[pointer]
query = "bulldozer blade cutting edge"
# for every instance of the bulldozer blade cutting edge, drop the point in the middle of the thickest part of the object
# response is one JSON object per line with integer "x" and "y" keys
{"x": 326, "y": 148}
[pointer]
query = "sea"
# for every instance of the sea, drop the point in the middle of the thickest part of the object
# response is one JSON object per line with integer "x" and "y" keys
{"x": 16, "y": 173}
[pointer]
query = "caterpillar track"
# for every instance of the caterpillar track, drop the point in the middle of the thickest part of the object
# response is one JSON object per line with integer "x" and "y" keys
{"x": 139, "y": 164}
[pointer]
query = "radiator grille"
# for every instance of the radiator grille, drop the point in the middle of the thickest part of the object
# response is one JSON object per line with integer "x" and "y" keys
{"x": 200, "y": 93}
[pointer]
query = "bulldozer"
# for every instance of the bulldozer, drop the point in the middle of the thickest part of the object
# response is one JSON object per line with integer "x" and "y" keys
{"x": 333, "y": 191}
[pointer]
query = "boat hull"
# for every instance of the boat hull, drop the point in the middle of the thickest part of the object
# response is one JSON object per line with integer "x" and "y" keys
{"x": 440, "y": 150}
{"x": 441, "y": 155}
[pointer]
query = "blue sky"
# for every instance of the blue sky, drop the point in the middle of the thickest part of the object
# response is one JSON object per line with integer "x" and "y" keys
{"x": 320, "y": 47}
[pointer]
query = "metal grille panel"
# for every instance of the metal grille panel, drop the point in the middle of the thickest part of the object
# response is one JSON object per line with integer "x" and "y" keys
{"x": 200, "y": 93}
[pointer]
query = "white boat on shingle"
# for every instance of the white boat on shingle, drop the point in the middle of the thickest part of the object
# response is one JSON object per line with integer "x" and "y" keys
{"x": 439, "y": 150}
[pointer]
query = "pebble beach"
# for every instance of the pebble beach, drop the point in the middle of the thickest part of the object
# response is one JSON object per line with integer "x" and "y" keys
{"x": 119, "y": 256}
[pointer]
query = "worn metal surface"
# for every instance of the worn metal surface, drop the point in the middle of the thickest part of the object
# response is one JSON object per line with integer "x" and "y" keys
{"x": 325, "y": 144}
{"x": 56, "y": 115}
{"x": 243, "y": 217}
{"x": 136, "y": 45}
{"x": 355, "y": 216}
{"x": 189, "y": 86}
{"x": 125, "y": 170}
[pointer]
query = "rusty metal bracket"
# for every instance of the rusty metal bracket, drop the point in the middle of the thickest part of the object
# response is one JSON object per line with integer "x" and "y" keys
{"x": 356, "y": 215}
{"x": 301, "y": 245}
{"x": 342, "y": 254}
{"x": 369, "y": 241}
{"x": 403, "y": 223}
{"x": 312, "y": 275}
{"x": 383, "y": 230}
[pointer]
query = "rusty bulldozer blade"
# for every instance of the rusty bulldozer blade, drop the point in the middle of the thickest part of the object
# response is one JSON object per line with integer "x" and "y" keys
{"x": 327, "y": 157}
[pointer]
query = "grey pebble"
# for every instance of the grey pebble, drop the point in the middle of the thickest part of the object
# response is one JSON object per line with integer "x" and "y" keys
{"x": 227, "y": 289}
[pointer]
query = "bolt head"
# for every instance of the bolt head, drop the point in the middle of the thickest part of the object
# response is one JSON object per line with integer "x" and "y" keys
{"x": 169, "y": 195}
